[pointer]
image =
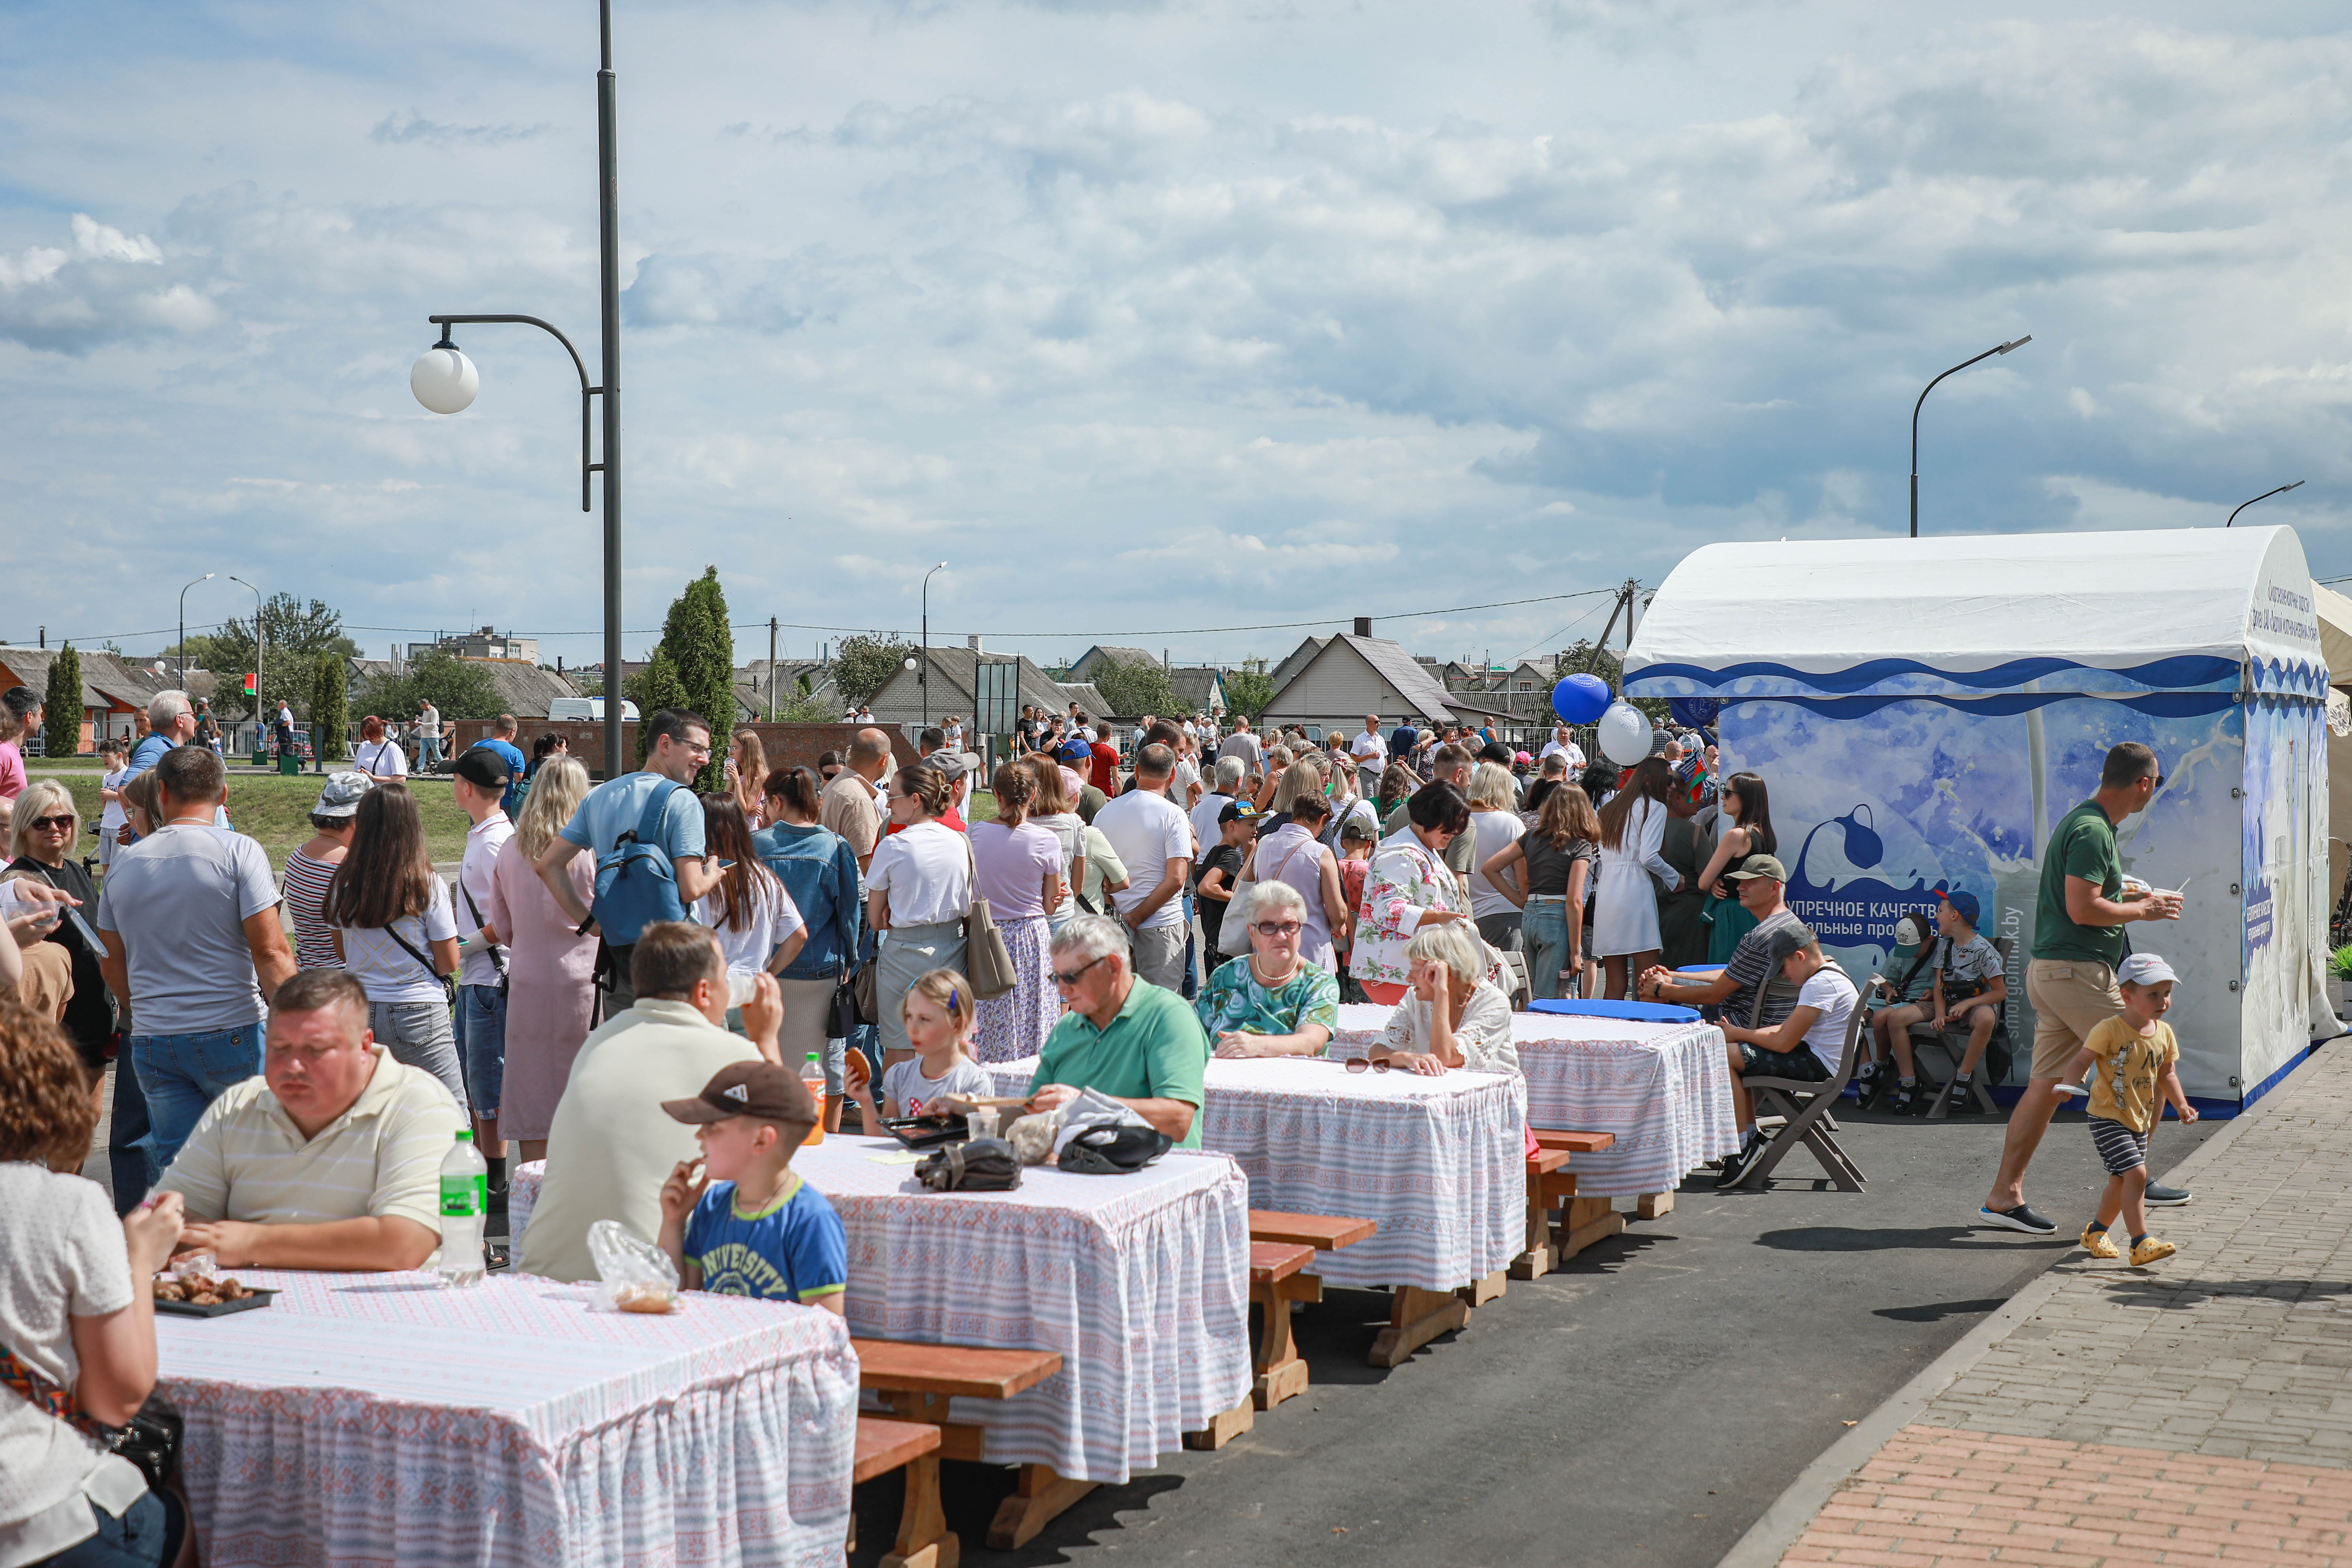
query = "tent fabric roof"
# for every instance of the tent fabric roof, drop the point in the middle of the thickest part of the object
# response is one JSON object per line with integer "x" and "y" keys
{"x": 2334, "y": 612}
{"x": 2009, "y": 616}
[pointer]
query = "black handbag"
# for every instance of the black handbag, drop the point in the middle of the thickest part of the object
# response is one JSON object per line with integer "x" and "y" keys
{"x": 1113, "y": 1150}
{"x": 841, "y": 1015}
{"x": 978, "y": 1166}
{"x": 150, "y": 1440}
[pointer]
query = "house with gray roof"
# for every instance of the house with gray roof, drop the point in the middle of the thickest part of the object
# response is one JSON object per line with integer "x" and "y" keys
{"x": 1351, "y": 675}
{"x": 1093, "y": 657}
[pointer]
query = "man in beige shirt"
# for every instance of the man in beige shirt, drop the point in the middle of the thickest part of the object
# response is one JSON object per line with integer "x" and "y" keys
{"x": 331, "y": 1158}
{"x": 611, "y": 1145}
{"x": 847, "y": 807}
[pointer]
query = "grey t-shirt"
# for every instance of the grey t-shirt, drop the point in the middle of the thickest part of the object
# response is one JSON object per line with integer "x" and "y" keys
{"x": 904, "y": 1085}
{"x": 180, "y": 898}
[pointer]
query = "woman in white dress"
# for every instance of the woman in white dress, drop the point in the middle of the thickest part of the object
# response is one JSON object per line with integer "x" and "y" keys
{"x": 1625, "y": 908}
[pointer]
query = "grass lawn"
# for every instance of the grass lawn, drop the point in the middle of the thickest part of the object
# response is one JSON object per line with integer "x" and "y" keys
{"x": 275, "y": 810}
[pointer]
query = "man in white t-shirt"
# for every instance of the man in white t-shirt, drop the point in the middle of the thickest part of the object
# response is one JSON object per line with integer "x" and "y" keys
{"x": 1370, "y": 751}
{"x": 1562, "y": 745}
{"x": 1147, "y": 829}
{"x": 1807, "y": 1046}
{"x": 480, "y": 788}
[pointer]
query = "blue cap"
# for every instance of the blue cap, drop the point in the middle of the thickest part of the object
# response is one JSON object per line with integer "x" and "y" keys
{"x": 1963, "y": 905}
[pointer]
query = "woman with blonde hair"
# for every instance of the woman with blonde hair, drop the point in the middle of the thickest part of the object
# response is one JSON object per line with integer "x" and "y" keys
{"x": 45, "y": 829}
{"x": 1019, "y": 866}
{"x": 1452, "y": 1017}
{"x": 1545, "y": 871}
{"x": 746, "y": 773}
{"x": 1056, "y": 810}
{"x": 551, "y": 967}
{"x": 1494, "y": 823}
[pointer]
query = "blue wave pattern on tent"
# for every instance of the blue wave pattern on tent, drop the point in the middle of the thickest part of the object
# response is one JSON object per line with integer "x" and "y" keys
{"x": 2160, "y": 704}
{"x": 2178, "y": 673}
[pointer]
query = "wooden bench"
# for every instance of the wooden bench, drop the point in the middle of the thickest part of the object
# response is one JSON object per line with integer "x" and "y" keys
{"x": 1281, "y": 1369}
{"x": 883, "y": 1446}
{"x": 914, "y": 1383}
{"x": 1551, "y": 1185}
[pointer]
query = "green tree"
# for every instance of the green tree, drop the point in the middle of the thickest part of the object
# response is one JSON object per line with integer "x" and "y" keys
{"x": 61, "y": 723}
{"x": 1134, "y": 687}
{"x": 865, "y": 665}
{"x": 700, "y": 651}
{"x": 460, "y": 688}
{"x": 653, "y": 689}
{"x": 293, "y": 637}
{"x": 1248, "y": 692}
{"x": 331, "y": 713}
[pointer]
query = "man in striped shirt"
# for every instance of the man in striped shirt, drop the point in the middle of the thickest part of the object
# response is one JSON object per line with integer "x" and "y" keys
{"x": 331, "y": 1158}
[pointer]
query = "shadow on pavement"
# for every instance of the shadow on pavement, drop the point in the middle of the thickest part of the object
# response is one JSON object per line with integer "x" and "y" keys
{"x": 1935, "y": 1237}
{"x": 2180, "y": 1295}
{"x": 1936, "y": 1312}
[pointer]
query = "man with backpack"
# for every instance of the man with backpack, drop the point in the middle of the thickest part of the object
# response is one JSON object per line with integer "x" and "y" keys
{"x": 645, "y": 831}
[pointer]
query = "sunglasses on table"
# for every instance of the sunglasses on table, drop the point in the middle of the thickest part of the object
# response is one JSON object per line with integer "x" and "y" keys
{"x": 1360, "y": 1064}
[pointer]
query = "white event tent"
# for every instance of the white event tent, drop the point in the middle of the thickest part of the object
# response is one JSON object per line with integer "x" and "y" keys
{"x": 1924, "y": 710}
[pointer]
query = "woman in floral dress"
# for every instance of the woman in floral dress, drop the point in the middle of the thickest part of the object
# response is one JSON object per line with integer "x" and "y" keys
{"x": 1409, "y": 887}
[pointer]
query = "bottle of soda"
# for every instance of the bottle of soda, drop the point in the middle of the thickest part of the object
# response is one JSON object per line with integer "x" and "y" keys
{"x": 465, "y": 1201}
{"x": 812, "y": 1074}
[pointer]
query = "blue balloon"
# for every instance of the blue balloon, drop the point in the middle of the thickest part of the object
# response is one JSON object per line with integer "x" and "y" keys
{"x": 1580, "y": 700}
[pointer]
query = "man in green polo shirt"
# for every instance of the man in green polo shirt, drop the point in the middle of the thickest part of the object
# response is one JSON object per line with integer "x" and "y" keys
{"x": 1124, "y": 1037}
{"x": 2078, "y": 941}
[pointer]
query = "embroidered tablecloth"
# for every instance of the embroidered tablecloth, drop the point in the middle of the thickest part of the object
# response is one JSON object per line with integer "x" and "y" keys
{"x": 1440, "y": 1163}
{"x": 1141, "y": 1281}
{"x": 382, "y": 1419}
{"x": 1664, "y": 1090}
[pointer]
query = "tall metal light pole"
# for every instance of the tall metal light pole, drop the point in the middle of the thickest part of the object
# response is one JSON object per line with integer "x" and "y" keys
{"x": 256, "y": 659}
{"x": 2265, "y": 496}
{"x": 184, "y": 629}
{"x": 924, "y": 679}
{"x": 2001, "y": 349}
{"x": 445, "y": 380}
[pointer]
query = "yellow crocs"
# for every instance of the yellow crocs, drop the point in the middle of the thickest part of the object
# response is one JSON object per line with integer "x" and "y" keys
{"x": 2148, "y": 1249}
{"x": 2096, "y": 1242}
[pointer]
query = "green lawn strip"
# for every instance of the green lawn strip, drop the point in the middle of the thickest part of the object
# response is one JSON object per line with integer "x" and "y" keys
{"x": 275, "y": 810}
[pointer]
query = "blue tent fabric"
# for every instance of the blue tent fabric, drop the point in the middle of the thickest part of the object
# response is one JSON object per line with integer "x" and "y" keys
{"x": 1639, "y": 1012}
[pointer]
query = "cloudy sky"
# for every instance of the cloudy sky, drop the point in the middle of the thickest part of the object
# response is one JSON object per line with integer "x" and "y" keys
{"x": 1147, "y": 317}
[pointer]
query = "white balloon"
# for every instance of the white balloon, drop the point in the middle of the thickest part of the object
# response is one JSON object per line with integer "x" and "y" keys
{"x": 1624, "y": 734}
{"x": 445, "y": 380}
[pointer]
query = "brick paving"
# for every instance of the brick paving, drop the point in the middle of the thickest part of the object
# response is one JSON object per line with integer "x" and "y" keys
{"x": 2196, "y": 1411}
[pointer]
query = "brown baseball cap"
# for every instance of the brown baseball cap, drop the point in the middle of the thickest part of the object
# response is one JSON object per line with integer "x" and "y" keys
{"x": 1768, "y": 867}
{"x": 765, "y": 1089}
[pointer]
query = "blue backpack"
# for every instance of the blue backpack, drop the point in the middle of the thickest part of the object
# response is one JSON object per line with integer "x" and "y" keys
{"x": 636, "y": 884}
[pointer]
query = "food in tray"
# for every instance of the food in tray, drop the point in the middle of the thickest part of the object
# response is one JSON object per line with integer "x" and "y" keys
{"x": 644, "y": 1299}
{"x": 199, "y": 1290}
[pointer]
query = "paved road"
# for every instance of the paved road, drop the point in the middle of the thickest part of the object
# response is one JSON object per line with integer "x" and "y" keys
{"x": 1642, "y": 1407}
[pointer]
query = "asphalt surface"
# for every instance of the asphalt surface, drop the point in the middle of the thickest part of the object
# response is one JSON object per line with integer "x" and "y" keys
{"x": 1643, "y": 1406}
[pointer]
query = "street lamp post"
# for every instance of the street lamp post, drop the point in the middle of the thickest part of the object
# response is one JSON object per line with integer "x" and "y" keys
{"x": 2001, "y": 349}
{"x": 445, "y": 380}
{"x": 924, "y": 679}
{"x": 2265, "y": 496}
{"x": 184, "y": 629}
{"x": 257, "y": 659}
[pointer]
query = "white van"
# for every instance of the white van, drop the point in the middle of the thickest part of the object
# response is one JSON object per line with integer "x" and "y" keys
{"x": 584, "y": 711}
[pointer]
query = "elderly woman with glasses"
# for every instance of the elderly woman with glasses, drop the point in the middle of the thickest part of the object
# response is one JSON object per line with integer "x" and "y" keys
{"x": 1408, "y": 887}
{"x": 1451, "y": 1016}
{"x": 47, "y": 828}
{"x": 1271, "y": 1001}
{"x": 1137, "y": 1043}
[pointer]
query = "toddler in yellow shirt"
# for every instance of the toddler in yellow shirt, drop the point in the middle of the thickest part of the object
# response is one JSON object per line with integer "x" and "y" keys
{"x": 2135, "y": 1054}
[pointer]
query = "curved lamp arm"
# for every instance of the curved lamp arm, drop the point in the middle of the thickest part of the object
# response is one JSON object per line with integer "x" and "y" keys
{"x": 1997, "y": 349}
{"x": 2265, "y": 496}
{"x": 586, "y": 391}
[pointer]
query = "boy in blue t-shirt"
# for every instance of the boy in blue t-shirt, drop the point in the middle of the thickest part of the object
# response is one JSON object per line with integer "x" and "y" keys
{"x": 745, "y": 1223}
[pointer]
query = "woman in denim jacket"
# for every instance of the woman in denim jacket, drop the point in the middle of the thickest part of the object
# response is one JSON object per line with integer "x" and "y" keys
{"x": 819, "y": 869}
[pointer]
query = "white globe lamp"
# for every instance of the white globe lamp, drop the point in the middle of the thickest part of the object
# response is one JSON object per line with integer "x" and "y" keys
{"x": 444, "y": 379}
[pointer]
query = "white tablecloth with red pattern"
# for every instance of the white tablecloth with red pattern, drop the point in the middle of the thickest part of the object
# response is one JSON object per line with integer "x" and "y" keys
{"x": 1141, "y": 1281}
{"x": 1439, "y": 1162}
{"x": 1664, "y": 1090}
{"x": 382, "y": 1419}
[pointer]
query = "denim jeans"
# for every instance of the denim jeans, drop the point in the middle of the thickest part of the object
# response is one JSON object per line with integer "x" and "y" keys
{"x": 1191, "y": 950}
{"x": 428, "y": 751}
{"x": 146, "y": 1536}
{"x": 482, "y": 1044}
{"x": 1544, "y": 933}
{"x": 182, "y": 1074}
{"x": 418, "y": 1034}
{"x": 126, "y": 1154}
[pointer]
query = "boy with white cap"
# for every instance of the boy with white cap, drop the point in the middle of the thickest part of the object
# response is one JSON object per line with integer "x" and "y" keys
{"x": 2135, "y": 1054}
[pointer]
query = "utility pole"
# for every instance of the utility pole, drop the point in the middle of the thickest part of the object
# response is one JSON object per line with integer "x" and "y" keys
{"x": 771, "y": 669}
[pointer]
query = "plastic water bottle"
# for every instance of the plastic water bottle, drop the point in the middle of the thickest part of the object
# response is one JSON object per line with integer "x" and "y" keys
{"x": 812, "y": 1074}
{"x": 465, "y": 1201}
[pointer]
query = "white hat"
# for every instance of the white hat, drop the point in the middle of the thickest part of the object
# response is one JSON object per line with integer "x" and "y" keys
{"x": 2144, "y": 969}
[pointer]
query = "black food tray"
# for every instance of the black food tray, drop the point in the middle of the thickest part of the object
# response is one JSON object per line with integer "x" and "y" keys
{"x": 218, "y": 1309}
{"x": 925, "y": 1131}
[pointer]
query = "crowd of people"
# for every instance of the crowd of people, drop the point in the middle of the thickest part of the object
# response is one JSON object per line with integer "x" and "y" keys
{"x": 641, "y": 985}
